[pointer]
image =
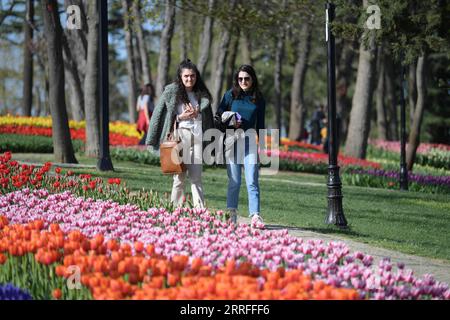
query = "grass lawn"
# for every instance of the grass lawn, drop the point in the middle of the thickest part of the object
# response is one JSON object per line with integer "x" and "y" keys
{"x": 410, "y": 222}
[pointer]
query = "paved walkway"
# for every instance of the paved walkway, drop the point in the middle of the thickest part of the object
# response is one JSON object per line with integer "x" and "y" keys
{"x": 440, "y": 269}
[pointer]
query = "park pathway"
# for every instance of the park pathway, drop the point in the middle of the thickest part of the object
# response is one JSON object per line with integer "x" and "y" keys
{"x": 440, "y": 269}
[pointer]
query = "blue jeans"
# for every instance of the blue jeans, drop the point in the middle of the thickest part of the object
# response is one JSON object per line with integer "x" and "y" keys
{"x": 251, "y": 170}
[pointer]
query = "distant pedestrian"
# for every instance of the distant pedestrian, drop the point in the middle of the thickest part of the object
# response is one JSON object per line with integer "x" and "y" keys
{"x": 144, "y": 106}
{"x": 317, "y": 125}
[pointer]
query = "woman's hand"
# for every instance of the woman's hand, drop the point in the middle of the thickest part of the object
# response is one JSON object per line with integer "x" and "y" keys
{"x": 186, "y": 115}
{"x": 195, "y": 111}
{"x": 189, "y": 112}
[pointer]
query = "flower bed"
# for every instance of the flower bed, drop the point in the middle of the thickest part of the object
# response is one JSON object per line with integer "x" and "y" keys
{"x": 428, "y": 154}
{"x": 290, "y": 145}
{"x": 10, "y": 292}
{"x": 394, "y": 146}
{"x": 164, "y": 253}
{"x": 198, "y": 236}
{"x": 315, "y": 162}
{"x": 118, "y": 127}
{"x": 390, "y": 179}
{"x": 111, "y": 270}
{"x": 77, "y": 134}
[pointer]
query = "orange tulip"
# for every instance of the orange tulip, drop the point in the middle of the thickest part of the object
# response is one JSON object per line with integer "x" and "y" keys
{"x": 196, "y": 264}
{"x": 60, "y": 271}
{"x": 150, "y": 249}
{"x": 3, "y": 259}
{"x": 54, "y": 227}
{"x": 139, "y": 247}
{"x": 112, "y": 245}
{"x": 172, "y": 279}
{"x": 57, "y": 294}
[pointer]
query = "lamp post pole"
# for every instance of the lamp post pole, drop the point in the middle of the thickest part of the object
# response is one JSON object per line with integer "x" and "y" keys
{"x": 104, "y": 162}
{"x": 403, "y": 167}
{"x": 335, "y": 210}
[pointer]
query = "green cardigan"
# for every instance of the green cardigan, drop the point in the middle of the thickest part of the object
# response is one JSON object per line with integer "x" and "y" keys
{"x": 165, "y": 113}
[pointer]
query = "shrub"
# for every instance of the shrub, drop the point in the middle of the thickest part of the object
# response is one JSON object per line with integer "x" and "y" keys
{"x": 31, "y": 144}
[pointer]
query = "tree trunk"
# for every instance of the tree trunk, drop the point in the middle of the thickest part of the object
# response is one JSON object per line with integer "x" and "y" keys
{"x": 41, "y": 64}
{"x": 165, "y": 46}
{"x": 62, "y": 144}
{"x": 206, "y": 39}
{"x": 220, "y": 67}
{"x": 28, "y": 60}
{"x": 391, "y": 99}
{"x": 75, "y": 52}
{"x": 143, "y": 52}
{"x": 38, "y": 101}
{"x": 343, "y": 76}
{"x": 234, "y": 44}
{"x": 132, "y": 86}
{"x": 359, "y": 126}
{"x": 137, "y": 63}
{"x": 298, "y": 110}
{"x": 91, "y": 89}
{"x": 246, "y": 49}
{"x": 76, "y": 39}
{"x": 412, "y": 91}
{"x": 278, "y": 105}
{"x": 380, "y": 93}
{"x": 74, "y": 83}
{"x": 183, "y": 42}
{"x": 414, "y": 135}
{"x": 215, "y": 54}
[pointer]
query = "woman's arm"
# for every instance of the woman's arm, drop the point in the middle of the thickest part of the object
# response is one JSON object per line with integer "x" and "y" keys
{"x": 261, "y": 116}
{"x": 157, "y": 122}
{"x": 225, "y": 103}
{"x": 137, "y": 104}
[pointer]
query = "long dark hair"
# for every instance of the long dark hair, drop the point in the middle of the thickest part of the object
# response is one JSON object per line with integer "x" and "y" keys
{"x": 199, "y": 89}
{"x": 147, "y": 89}
{"x": 237, "y": 90}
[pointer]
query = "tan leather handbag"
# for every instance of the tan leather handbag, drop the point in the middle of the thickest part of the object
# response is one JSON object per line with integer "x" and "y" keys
{"x": 171, "y": 162}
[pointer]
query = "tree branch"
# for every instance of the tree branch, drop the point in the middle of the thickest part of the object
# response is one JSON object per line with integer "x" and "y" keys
{"x": 7, "y": 12}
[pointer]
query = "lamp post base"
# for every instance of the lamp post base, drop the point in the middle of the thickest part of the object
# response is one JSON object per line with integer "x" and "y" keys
{"x": 403, "y": 177}
{"x": 335, "y": 210}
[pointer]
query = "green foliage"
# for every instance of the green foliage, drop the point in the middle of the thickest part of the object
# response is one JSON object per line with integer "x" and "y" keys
{"x": 38, "y": 279}
{"x": 367, "y": 180}
{"x": 31, "y": 144}
{"x": 318, "y": 168}
{"x": 408, "y": 28}
{"x": 144, "y": 157}
{"x": 435, "y": 158}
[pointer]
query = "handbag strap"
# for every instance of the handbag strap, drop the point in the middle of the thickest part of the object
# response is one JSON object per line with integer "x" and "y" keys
{"x": 171, "y": 136}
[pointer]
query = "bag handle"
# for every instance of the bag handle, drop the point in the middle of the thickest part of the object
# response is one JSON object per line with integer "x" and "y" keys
{"x": 171, "y": 136}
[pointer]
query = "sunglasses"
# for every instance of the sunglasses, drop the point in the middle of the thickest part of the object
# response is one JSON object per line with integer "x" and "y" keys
{"x": 244, "y": 79}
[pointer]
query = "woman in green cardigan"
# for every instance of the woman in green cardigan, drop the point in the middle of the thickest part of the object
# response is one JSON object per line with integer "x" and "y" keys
{"x": 187, "y": 100}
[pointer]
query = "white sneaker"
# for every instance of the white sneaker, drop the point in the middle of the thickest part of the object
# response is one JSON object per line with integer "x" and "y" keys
{"x": 257, "y": 222}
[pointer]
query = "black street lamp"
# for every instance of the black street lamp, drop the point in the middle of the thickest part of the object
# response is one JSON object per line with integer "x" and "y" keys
{"x": 335, "y": 210}
{"x": 104, "y": 162}
{"x": 403, "y": 167}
